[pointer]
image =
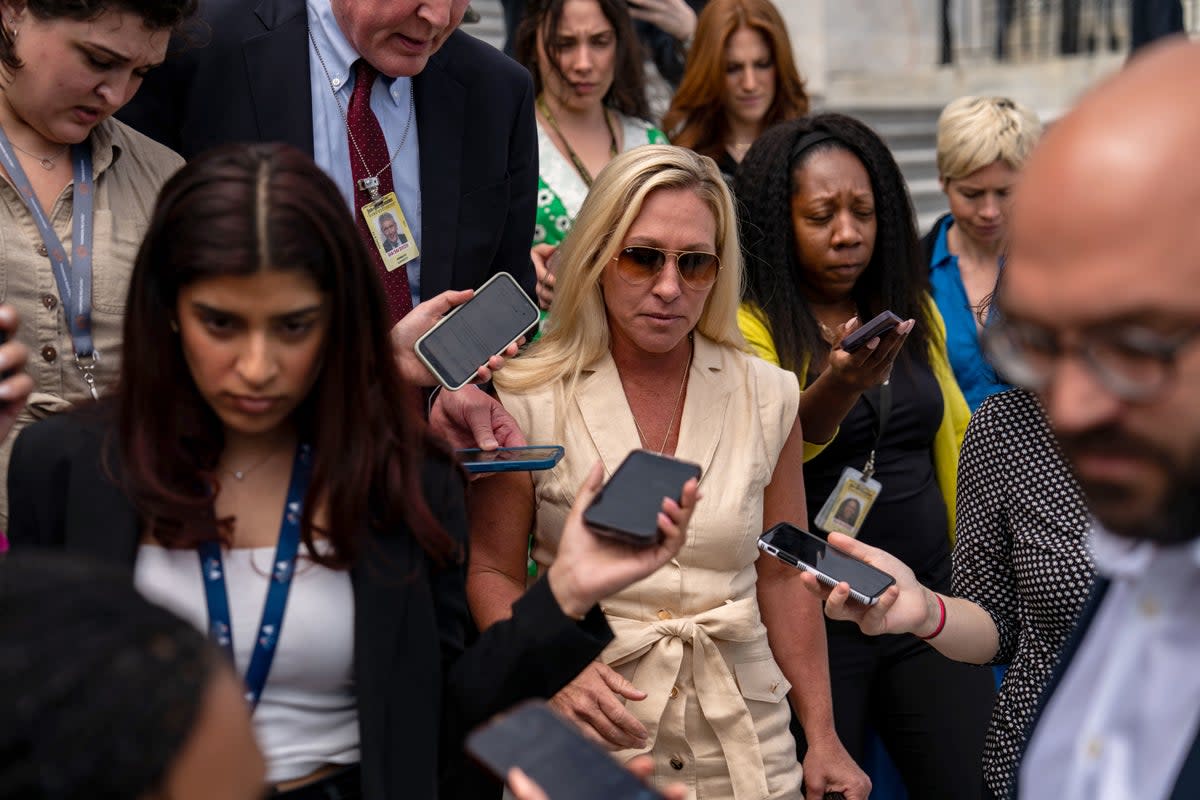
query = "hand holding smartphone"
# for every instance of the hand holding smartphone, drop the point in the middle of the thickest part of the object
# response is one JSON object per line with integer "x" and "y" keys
{"x": 463, "y": 340}
{"x": 878, "y": 326}
{"x": 626, "y": 508}
{"x": 805, "y": 551}
{"x": 554, "y": 754}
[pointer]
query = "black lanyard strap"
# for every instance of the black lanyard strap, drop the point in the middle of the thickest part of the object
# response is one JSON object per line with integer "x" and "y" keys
{"x": 879, "y": 400}
{"x": 216, "y": 595}
{"x": 73, "y": 275}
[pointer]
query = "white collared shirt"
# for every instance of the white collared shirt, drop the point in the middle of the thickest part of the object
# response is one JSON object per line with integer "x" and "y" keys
{"x": 1123, "y": 719}
{"x": 390, "y": 100}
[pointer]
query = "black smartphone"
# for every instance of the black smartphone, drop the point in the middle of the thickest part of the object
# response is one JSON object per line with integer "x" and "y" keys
{"x": 463, "y": 340}
{"x": 510, "y": 459}
{"x": 554, "y": 754}
{"x": 627, "y": 506}
{"x": 803, "y": 550}
{"x": 865, "y": 333}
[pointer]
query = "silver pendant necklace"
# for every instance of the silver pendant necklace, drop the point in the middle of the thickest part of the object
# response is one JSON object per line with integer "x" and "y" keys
{"x": 240, "y": 474}
{"x": 47, "y": 162}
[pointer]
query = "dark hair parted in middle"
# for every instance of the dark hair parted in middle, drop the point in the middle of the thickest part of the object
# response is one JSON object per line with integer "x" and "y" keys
{"x": 896, "y": 278}
{"x": 628, "y": 91}
{"x": 155, "y": 15}
{"x": 235, "y": 211}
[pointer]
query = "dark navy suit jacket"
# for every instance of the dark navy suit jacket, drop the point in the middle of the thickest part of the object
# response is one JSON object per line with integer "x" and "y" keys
{"x": 247, "y": 80}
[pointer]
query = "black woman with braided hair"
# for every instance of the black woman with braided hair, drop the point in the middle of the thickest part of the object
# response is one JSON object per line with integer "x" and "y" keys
{"x": 829, "y": 243}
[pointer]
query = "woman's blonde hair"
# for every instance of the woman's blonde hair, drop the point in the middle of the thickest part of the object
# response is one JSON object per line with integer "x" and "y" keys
{"x": 974, "y": 132}
{"x": 576, "y": 334}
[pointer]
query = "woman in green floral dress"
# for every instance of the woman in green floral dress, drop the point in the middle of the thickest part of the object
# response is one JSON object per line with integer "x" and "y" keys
{"x": 591, "y": 105}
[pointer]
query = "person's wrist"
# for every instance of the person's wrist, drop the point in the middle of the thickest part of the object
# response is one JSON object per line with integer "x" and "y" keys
{"x": 935, "y": 616}
{"x": 562, "y": 587}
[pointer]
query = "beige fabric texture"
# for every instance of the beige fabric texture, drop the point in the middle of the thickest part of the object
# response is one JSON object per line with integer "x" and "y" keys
{"x": 129, "y": 169}
{"x": 690, "y": 635}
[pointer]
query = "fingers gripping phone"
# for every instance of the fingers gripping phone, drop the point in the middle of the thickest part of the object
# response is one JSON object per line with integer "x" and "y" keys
{"x": 463, "y": 340}
{"x": 627, "y": 507}
{"x": 878, "y": 326}
{"x": 554, "y": 754}
{"x": 511, "y": 459}
{"x": 803, "y": 550}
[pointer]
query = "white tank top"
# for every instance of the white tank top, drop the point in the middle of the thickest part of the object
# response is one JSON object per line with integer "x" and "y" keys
{"x": 306, "y": 716}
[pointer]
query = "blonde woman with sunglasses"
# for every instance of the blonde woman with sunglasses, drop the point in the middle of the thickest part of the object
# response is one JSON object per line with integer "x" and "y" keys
{"x": 643, "y": 352}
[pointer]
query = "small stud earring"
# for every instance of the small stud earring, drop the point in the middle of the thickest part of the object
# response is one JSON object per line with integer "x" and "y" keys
{"x": 174, "y": 326}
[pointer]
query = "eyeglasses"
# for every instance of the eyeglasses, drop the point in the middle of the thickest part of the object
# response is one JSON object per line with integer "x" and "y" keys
{"x": 1132, "y": 362}
{"x": 639, "y": 263}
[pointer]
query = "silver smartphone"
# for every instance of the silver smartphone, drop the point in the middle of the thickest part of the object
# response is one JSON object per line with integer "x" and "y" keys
{"x": 811, "y": 553}
{"x": 463, "y": 340}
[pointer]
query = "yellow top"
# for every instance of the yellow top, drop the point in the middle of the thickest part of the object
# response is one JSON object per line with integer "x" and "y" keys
{"x": 955, "y": 414}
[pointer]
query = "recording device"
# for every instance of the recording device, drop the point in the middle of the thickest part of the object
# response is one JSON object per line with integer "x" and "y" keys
{"x": 803, "y": 550}
{"x": 554, "y": 754}
{"x": 876, "y": 327}
{"x": 463, "y": 340}
{"x": 511, "y": 459}
{"x": 627, "y": 506}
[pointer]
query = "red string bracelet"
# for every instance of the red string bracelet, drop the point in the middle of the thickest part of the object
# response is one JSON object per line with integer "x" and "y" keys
{"x": 941, "y": 619}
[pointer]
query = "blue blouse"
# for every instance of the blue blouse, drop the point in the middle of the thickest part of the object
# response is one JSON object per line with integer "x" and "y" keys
{"x": 974, "y": 374}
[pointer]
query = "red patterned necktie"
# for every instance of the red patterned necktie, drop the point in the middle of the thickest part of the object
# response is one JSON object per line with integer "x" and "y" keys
{"x": 368, "y": 135}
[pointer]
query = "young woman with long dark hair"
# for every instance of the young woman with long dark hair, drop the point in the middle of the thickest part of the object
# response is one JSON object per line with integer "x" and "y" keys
{"x": 262, "y": 443}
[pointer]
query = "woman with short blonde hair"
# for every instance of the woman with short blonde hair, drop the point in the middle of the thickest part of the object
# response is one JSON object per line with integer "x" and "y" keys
{"x": 982, "y": 144}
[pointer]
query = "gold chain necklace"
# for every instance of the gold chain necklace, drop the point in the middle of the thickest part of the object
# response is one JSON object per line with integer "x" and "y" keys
{"x": 671, "y": 424}
{"x": 579, "y": 167}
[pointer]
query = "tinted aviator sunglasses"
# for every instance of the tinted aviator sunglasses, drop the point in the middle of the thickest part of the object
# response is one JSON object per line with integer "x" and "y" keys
{"x": 639, "y": 263}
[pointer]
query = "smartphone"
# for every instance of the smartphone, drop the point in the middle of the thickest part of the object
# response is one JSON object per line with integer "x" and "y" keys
{"x": 463, "y": 340}
{"x": 865, "y": 333}
{"x": 627, "y": 506}
{"x": 810, "y": 553}
{"x": 554, "y": 754}
{"x": 511, "y": 459}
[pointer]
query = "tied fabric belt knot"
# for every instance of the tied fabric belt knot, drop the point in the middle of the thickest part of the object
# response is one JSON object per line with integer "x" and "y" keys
{"x": 717, "y": 691}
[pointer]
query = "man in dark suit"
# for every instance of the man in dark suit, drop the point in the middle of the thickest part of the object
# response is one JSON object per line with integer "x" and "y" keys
{"x": 466, "y": 179}
{"x": 1100, "y": 314}
{"x": 254, "y": 78}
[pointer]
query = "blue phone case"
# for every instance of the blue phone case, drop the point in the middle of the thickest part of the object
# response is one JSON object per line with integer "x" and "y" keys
{"x": 512, "y": 459}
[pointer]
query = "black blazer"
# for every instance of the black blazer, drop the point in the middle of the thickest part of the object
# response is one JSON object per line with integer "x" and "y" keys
{"x": 417, "y": 681}
{"x": 1187, "y": 783}
{"x": 249, "y": 82}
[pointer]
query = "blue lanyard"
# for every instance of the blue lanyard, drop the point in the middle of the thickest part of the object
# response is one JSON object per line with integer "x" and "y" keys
{"x": 73, "y": 276}
{"x": 212, "y": 569}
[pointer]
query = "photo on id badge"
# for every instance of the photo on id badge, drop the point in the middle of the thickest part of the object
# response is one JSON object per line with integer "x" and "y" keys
{"x": 847, "y": 506}
{"x": 390, "y": 230}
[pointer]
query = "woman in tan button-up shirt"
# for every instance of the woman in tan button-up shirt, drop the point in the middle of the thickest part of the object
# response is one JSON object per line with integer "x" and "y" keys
{"x": 644, "y": 351}
{"x": 61, "y": 81}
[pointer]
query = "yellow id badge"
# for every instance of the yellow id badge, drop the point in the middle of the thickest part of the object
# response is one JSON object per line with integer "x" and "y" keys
{"x": 388, "y": 227}
{"x": 847, "y": 506}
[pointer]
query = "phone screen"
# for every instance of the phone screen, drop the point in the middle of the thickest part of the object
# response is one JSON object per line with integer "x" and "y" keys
{"x": 554, "y": 755}
{"x": 509, "y": 454}
{"x": 628, "y": 505}
{"x": 499, "y": 312}
{"x": 801, "y": 547}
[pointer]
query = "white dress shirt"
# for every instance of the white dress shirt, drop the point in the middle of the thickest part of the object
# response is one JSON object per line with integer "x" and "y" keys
{"x": 390, "y": 100}
{"x": 1123, "y": 719}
